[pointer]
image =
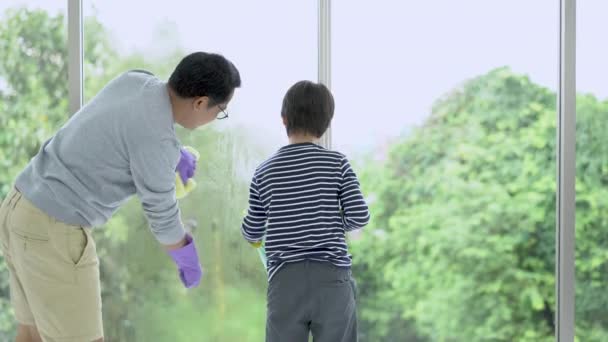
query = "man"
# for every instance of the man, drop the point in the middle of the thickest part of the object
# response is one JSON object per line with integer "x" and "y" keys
{"x": 120, "y": 144}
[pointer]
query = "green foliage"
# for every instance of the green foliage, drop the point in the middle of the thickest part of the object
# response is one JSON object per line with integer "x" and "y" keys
{"x": 34, "y": 99}
{"x": 462, "y": 241}
{"x": 591, "y": 218}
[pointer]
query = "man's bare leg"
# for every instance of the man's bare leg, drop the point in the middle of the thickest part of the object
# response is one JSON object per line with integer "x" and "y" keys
{"x": 27, "y": 333}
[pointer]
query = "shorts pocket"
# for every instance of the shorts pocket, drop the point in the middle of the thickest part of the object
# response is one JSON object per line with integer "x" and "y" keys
{"x": 75, "y": 244}
{"x": 337, "y": 276}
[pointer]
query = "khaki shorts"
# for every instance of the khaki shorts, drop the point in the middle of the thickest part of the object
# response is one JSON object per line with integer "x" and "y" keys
{"x": 53, "y": 270}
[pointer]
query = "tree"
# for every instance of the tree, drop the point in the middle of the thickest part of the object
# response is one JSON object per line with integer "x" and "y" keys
{"x": 461, "y": 245}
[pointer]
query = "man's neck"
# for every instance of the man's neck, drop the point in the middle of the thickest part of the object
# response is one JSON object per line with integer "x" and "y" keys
{"x": 177, "y": 104}
{"x": 173, "y": 101}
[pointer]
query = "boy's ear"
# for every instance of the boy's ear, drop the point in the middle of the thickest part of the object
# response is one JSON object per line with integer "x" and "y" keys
{"x": 284, "y": 120}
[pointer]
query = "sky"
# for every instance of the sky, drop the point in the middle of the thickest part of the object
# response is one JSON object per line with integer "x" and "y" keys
{"x": 391, "y": 59}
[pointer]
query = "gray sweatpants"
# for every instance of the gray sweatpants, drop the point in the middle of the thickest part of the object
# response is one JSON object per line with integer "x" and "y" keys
{"x": 315, "y": 297}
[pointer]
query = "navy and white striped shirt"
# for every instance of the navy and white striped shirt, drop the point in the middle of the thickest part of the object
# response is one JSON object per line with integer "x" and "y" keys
{"x": 303, "y": 200}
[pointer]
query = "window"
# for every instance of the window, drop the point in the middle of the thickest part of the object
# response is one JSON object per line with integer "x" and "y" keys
{"x": 143, "y": 298}
{"x": 448, "y": 110}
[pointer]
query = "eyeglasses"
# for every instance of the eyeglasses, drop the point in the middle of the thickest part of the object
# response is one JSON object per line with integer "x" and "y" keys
{"x": 222, "y": 114}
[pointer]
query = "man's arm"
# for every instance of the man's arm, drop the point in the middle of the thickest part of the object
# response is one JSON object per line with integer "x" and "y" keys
{"x": 153, "y": 170}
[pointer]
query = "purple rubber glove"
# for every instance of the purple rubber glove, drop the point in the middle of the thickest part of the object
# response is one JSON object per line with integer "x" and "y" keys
{"x": 186, "y": 165}
{"x": 186, "y": 258}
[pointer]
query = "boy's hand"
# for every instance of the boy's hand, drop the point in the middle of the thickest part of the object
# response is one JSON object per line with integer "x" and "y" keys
{"x": 186, "y": 259}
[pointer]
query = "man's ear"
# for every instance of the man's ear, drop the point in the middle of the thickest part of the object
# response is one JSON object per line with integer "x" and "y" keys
{"x": 284, "y": 120}
{"x": 201, "y": 102}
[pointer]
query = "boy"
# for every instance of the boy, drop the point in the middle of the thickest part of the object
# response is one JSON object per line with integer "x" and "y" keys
{"x": 303, "y": 199}
{"x": 121, "y": 143}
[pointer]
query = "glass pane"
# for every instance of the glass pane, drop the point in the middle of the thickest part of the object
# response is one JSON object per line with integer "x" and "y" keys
{"x": 591, "y": 172}
{"x": 273, "y": 44}
{"x": 448, "y": 109}
{"x": 33, "y": 98}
